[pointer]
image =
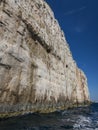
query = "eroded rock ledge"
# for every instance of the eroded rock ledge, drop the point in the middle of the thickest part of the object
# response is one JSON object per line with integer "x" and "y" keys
{"x": 37, "y": 70}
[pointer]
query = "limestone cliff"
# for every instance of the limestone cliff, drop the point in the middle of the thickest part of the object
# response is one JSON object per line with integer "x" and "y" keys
{"x": 37, "y": 70}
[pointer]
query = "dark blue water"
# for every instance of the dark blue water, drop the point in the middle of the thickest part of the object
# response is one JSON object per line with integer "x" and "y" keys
{"x": 82, "y": 118}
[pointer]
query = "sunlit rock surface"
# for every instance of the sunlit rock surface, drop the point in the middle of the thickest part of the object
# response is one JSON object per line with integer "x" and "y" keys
{"x": 37, "y": 70}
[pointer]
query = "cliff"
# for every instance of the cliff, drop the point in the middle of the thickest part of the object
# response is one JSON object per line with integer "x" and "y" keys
{"x": 37, "y": 70}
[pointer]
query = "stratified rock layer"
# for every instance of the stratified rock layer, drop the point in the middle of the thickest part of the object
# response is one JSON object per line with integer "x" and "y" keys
{"x": 37, "y": 71}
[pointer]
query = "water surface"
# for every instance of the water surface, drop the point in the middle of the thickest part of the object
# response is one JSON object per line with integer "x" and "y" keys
{"x": 82, "y": 118}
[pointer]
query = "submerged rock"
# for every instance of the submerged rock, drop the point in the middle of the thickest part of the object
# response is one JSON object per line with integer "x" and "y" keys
{"x": 37, "y": 70}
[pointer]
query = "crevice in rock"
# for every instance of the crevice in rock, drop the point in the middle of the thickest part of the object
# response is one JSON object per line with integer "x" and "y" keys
{"x": 18, "y": 59}
{"x": 2, "y": 24}
{"x": 34, "y": 65}
{"x": 20, "y": 33}
{"x": 3, "y": 1}
{"x": 66, "y": 66}
{"x": 8, "y": 13}
{"x": 35, "y": 36}
{"x": 40, "y": 40}
{"x": 5, "y": 66}
{"x": 55, "y": 55}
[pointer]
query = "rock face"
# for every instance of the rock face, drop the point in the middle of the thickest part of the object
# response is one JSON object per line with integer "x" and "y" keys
{"x": 37, "y": 70}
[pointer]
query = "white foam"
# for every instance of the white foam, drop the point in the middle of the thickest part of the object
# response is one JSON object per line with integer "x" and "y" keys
{"x": 83, "y": 123}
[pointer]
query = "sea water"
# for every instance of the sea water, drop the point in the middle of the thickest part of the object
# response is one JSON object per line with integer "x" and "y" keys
{"x": 81, "y": 118}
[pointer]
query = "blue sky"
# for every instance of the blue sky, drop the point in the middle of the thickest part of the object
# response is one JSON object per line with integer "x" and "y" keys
{"x": 79, "y": 21}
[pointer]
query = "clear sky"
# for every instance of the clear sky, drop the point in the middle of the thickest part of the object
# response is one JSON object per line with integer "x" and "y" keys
{"x": 79, "y": 21}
